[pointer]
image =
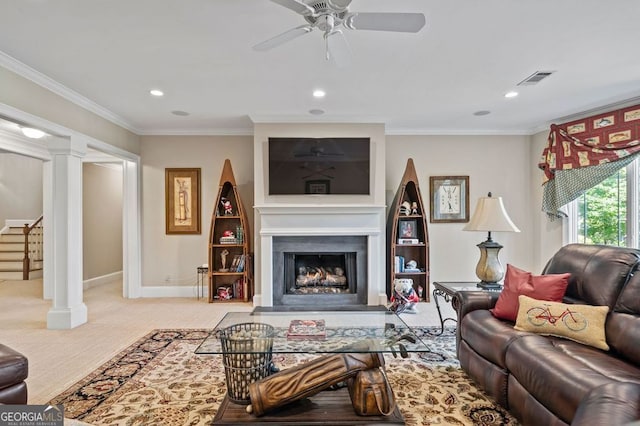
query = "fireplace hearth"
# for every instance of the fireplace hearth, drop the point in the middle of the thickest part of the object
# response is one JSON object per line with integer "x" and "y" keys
{"x": 320, "y": 270}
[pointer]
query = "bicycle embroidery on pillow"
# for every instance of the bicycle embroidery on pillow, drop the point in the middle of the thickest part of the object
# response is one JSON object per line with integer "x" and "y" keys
{"x": 573, "y": 320}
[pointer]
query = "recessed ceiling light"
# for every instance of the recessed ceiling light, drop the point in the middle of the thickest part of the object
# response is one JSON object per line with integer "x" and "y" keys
{"x": 32, "y": 133}
{"x": 511, "y": 94}
{"x": 156, "y": 92}
{"x": 482, "y": 112}
{"x": 180, "y": 113}
{"x": 316, "y": 111}
{"x": 319, "y": 93}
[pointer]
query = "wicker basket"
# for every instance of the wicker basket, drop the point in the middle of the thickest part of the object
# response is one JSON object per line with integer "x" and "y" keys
{"x": 247, "y": 357}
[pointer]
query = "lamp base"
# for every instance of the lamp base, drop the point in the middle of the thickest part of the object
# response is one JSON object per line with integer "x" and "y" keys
{"x": 489, "y": 286}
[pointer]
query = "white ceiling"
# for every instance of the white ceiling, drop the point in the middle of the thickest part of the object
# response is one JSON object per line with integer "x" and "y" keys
{"x": 199, "y": 53}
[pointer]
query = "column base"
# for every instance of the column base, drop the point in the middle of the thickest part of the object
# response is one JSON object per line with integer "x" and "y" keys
{"x": 66, "y": 318}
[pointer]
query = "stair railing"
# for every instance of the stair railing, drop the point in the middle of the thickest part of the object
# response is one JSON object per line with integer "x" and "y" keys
{"x": 32, "y": 245}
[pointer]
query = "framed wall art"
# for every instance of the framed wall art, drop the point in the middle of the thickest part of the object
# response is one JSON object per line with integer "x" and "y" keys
{"x": 182, "y": 201}
{"x": 317, "y": 187}
{"x": 449, "y": 199}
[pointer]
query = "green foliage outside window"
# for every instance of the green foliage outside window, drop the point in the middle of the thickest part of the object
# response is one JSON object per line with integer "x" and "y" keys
{"x": 602, "y": 212}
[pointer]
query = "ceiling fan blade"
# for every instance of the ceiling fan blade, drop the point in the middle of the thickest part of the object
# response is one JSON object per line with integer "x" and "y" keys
{"x": 401, "y": 22}
{"x": 338, "y": 49}
{"x": 296, "y": 6}
{"x": 283, "y": 38}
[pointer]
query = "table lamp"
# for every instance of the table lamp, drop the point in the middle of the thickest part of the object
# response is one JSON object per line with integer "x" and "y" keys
{"x": 490, "y": 215}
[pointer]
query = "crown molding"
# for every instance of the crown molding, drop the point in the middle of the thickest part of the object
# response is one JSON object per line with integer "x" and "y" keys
{"x": 198, "y": 132}
{"x": 50, "y": 84}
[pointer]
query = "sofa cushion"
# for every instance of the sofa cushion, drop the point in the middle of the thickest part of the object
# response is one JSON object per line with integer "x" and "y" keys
{"x": 487, "y": 335}
{"x": 581, "y": 323}
{"x": 560, "y": 373}
{"x": 598, "y": 273}
{"x": 610, "y": 404}
{"x": 623, "y": 335}
{"x": 517, "y": 282}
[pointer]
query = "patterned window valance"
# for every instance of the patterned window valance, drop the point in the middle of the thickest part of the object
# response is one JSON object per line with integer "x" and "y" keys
{"x": 583, "y": 153}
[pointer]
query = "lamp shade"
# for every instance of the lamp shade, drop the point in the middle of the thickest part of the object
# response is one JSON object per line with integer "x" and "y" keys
{"x": 490, "y": 215}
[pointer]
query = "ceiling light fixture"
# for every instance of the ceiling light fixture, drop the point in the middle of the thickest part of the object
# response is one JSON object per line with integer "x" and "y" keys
{"x": 511, "y": 94}
{"x": 316, "y": 112}
{"x": 319, "y": 93}
{"x": 32, "y": 133}
{"x": 180, "y": 113}
{"x": 481, "y": 113}
{"x": 156, "y": 92}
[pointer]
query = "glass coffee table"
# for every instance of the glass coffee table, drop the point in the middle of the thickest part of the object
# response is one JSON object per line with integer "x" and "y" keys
{"x": 322, "y": 333}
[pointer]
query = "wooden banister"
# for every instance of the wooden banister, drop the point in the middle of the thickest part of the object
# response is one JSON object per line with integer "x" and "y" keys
{"x": 26, "y": 262}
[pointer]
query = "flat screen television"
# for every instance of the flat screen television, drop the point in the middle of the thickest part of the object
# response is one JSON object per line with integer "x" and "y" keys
{"x": 300, "y": 166}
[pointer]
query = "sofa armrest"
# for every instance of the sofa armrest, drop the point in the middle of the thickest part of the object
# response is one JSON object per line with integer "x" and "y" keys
{"x": 467, "y": 301}
{"x": 610, "y": 404}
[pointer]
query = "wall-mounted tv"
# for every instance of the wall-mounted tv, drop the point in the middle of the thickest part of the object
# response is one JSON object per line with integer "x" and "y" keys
{"x": 319, "y": 166}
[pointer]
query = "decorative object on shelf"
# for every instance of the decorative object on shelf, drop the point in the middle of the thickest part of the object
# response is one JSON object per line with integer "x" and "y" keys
{"x": 408, "y": 228}
{"x": 408, "y": 236}
{"x": 229, "y": 235}
{"x": 227, "y": 208}
{"x": 223, "y": 260}
{"x": 182, "y": 201}
{"x": 405, "y": 208}
{"x": 449, "y": 199}
{"x": 490, "y": 215}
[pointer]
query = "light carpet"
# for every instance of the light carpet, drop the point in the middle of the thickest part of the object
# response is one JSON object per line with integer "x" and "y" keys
{"x": 160, "y": 380}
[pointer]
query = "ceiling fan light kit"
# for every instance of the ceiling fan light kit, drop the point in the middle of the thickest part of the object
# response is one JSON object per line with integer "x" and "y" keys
{"x": 330, "y": 16}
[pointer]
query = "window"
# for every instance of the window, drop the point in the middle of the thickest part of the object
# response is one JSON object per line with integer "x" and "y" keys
{"x": 608, "y": 212}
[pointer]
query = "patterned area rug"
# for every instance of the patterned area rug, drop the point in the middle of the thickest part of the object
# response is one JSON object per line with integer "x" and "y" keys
{"x": 159, "y": 380}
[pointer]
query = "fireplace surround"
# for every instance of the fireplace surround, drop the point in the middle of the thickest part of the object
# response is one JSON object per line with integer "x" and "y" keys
{"x": 319, "y": 270}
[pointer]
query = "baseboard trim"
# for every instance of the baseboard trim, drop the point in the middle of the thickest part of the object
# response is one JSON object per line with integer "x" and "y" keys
{"x": 104, "y": 279}
{"x": 173, "y": 291}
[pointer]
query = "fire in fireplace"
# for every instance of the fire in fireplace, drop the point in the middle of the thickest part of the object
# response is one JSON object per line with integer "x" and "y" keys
{"x": 324, "y": 273}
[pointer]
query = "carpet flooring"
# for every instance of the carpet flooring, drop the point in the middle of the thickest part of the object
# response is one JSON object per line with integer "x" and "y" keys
{"x": 159, "y": 380}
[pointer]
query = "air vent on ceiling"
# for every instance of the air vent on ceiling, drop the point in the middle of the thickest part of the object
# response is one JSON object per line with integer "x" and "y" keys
{"x": 535, "y": 78}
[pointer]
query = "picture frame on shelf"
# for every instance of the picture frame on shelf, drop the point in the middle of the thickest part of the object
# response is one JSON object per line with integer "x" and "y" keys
{"x": 408, "y": 229}
{"x": 182, "y": 201}
{"x": 449, "y": 199}
{"x": 322, "y": 186}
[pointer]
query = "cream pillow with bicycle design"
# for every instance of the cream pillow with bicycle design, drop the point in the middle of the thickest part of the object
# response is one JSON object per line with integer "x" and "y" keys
{"x": 580, "y": 323}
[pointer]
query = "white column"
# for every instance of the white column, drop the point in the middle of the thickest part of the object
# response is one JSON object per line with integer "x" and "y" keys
{"x": 48, "y": 253}
{"x": 131, "y": 240}
{"x": 68, "y": 310}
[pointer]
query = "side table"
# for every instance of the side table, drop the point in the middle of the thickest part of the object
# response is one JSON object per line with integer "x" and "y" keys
{"x": 203, "y": 272}
{"x": 447, "y": 290}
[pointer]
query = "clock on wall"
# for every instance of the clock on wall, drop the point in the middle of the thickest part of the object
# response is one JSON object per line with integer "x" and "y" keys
{"x": 449, "y": 201}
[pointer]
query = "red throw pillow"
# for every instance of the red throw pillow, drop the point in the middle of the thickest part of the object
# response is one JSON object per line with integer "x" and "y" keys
{"x": 518, "y": 282}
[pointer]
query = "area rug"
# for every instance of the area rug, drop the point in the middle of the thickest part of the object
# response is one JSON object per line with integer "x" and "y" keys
{"x": 159, "y": 380}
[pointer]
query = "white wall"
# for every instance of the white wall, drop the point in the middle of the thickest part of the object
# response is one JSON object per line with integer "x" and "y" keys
{"x": 177, "y": 256}
{"x": 20, "y": 187}
{"x": 101, "y": 220}
{"x": 499, "y": 164}
{"x": 547, "y": 235}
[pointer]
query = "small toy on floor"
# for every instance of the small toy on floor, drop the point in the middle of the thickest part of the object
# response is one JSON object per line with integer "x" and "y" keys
{"x": 404, "y": 298}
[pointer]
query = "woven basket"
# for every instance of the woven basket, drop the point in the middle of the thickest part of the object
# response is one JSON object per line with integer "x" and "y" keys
{"x": 246, "y": 356}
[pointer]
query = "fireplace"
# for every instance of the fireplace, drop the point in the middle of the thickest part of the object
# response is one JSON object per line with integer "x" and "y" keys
{"x": 319, "y": 270}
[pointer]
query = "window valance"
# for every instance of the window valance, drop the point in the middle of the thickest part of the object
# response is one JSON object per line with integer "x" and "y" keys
{"x": 582, "y": 153}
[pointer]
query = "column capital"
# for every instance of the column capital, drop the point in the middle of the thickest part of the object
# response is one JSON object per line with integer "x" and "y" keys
{"x": 75, "y": 146}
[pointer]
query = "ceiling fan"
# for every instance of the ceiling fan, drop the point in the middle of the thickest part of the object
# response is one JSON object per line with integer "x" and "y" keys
{"x": 332, "y": 16}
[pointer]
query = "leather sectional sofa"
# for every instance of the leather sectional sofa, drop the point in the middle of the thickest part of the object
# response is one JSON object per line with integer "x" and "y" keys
{"x": 544, "y": 380}
{"x": 14, "y": 369}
